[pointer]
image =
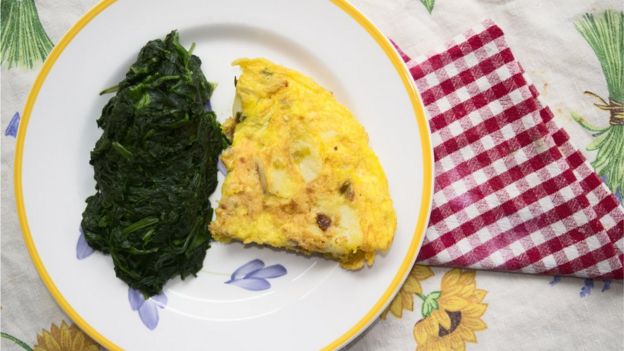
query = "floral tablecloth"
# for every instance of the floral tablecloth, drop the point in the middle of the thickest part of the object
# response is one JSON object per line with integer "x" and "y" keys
{"x": 437, "y": 308}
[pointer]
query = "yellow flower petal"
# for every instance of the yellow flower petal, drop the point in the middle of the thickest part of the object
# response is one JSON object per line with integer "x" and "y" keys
{"x": 420, "y": 332}
{"x": 450, "y": 278}
{"x": 442, "y": 344}
{"x": 435, "y": 316}
{"x": 40, "y": 338}
{"x": 463, "y": 291}
{"x": 447, "y": 343}
{"x": 424, "y": 347}
{"x": 433, "y": 327}
{"x": 449, "y": 291}
{"x": 78, "y": 342}
{"x": 443, "y": 319}
{"x": 396, "y": 307}
{"x": 50, "y": 343}
{"x": 466, "y": 334}
{"x": 453, "y": 303}
{"x": 479, "y": 294}
{"x": 66, "y": 337}
{"x": 421, "y": 272}
{"x": 467, "y": 278}
{"x": 55, "y": 331}
{"x": 454, "y": 341}
{"x": 475, "y": 310}
{"x": 408, "y": 302}
{"x": 474, "y": 324}
{"x": 468, "y": 289}
{"x": 460, "y": 346}
{"x": 409, "y": 284}
{"x": 459, "y": 289}
{"x": 431, "y": 346}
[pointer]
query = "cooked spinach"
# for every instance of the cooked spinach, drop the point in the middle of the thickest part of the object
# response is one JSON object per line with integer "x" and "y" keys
{"x": 155, "y": 167}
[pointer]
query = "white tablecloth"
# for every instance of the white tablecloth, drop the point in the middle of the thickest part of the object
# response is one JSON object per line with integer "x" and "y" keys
{"x": 523, "y": 312}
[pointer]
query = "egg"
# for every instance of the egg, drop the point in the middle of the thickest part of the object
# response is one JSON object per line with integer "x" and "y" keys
{"x": 300, "y": 173}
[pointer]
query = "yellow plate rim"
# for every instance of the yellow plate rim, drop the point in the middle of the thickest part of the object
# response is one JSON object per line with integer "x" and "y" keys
{"x": 427, "y": 186}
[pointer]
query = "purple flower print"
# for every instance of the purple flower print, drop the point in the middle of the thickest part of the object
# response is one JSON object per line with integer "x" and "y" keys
{"x": 221, "y": 167}
{"x": 587, "y": 287}
{"x": 253, "y": 275}
{"x": 555, "y": 280}
{"x": 148, "y": 309}
{"x": 11, "y": 129}
{"x": 83, "y": 250}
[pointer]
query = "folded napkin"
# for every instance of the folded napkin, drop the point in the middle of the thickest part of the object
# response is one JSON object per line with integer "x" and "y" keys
{"x": 511, "y": 192}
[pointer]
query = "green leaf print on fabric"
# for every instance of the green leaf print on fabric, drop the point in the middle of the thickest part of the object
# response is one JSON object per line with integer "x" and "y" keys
{"x": 428, "y": 4}
{"x": 17, "y": 341}
{"x": 605, "y": 34}
{"x": 23, "y": 41}
{"x": 430, "y": 303}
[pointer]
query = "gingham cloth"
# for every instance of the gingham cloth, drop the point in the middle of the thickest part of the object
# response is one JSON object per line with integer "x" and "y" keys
{"x": 511, "y": 192}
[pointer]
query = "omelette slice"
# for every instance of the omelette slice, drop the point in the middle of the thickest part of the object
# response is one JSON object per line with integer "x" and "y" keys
{"x": 301, "y": 175}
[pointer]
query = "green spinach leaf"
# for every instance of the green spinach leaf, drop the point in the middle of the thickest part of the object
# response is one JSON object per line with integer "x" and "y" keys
{"x": 155, "y": 167}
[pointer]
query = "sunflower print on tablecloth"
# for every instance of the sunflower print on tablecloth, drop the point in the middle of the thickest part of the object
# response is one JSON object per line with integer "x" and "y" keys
{"x": 64, "y": 338}
{"x": 404, "y": 300}
{"x": 455, "y": 316}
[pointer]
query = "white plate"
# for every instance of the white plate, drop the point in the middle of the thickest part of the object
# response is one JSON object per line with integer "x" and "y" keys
{"x": 315, "y": 304}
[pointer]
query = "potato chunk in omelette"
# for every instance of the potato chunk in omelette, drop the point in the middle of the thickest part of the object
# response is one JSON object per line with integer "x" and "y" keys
{"x": 301, "y": 175}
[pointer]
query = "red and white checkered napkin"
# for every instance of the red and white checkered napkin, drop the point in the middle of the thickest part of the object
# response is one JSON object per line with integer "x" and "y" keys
{"x": 511, "y": 192}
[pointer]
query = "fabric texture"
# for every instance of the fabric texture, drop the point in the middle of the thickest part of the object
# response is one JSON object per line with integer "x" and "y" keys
{"x": 522, "y": 312}
{"x": 511, "y": 192}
